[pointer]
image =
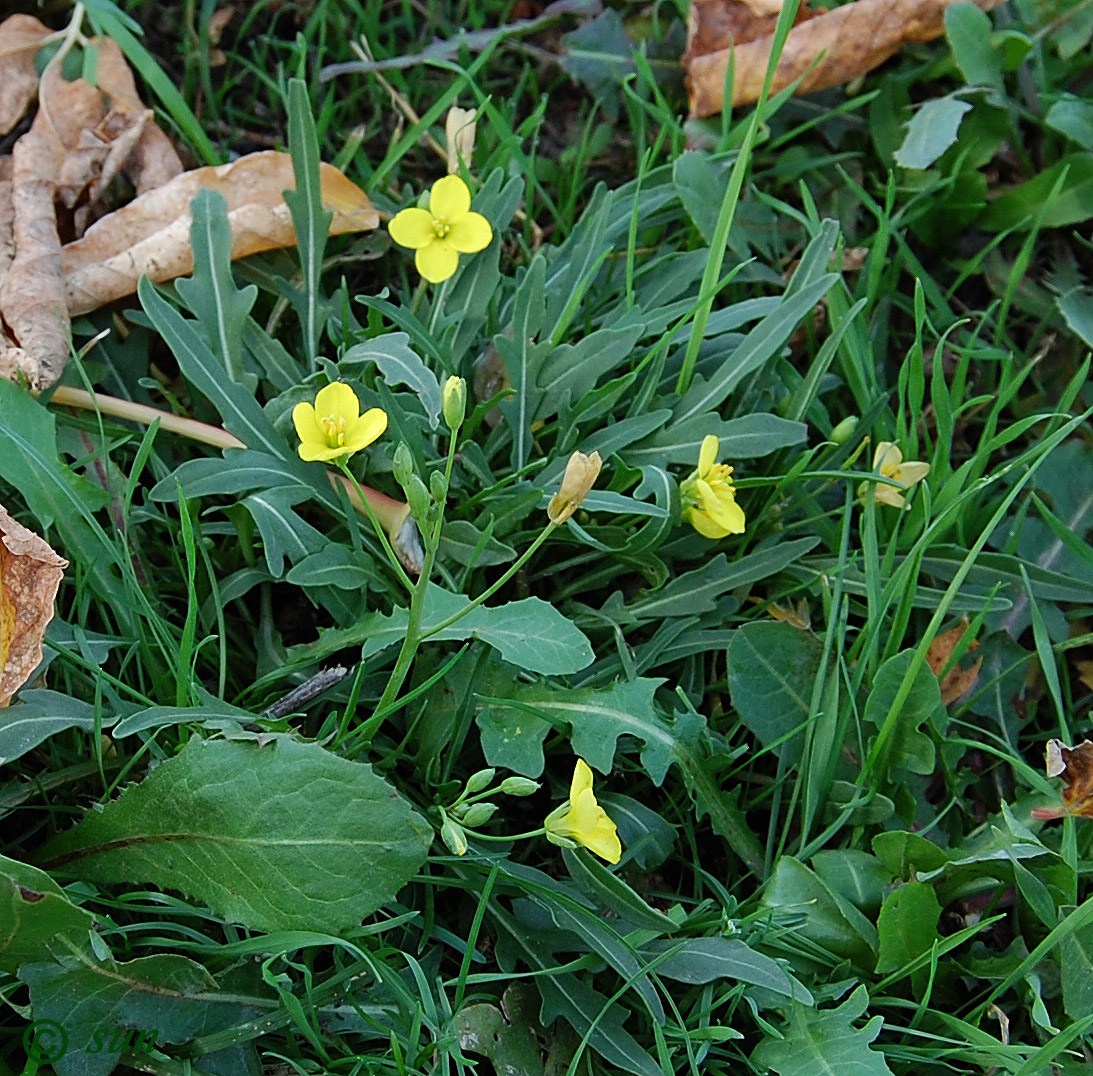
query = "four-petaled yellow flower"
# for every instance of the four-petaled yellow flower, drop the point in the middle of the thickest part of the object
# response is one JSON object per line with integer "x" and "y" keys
{"x": 583, "y": 820}
{"x": 888, "y": 461}
{"x": 439, "y": 234}
{"x": 709, "y": 497}
{"x": 333, "y": 426}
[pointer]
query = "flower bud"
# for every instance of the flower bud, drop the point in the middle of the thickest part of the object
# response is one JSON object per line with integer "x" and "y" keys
{"x": 478, "y": 814}
{"x": 519, "y": 786}
{"x": 580, "y": 476}
{"x": 480, "y": 780}
{"x": 416, "y": 494}
{"x": 455, "y": 402}
{"x": 452, "y": 836}
{"x": 845, "y": 430}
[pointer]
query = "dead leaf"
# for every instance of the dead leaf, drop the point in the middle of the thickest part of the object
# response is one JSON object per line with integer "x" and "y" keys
{"x": 30, "y": 573}
{"x": 154, "y": 160}
{"x": 151, "y": 235}
{"x": 1075, "y": 766}
{"x": 714, "y": 25}
{"x": 957, "y": 680}
{"x": 7, "y": 217}
{"x": 843, "y": 43}
{"x": 32, "y": 296}
{"x": 1085, "y": 672}
{"x": 20, "y": 38}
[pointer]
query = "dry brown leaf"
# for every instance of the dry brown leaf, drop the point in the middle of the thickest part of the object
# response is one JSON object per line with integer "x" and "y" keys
{"x": 20, "y": 38}
{"x": 151, "y": 235}
{"x": 957, "y": 680}
{"x": 7, "y": 217}
{"x": 1085, "y": 672}
{"x": 847, "y": 42}
{"x": 30, "y": 573}
{"x": 32, "y": 295}
{"x": 1075, "y": 766}
{"x": 153, "y": 160}
{"x": 714, "y": 25}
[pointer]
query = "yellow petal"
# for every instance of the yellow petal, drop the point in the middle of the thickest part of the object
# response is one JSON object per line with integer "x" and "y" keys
{"x": 470, "y": 233}
{"x": 890, "y": 495}
{"x": 306, "y": 422}
{"x": 887, "y": 455}
{"x": 721, "y": 507}
{"x": 911, "y": 472}
{"x": 604, "y": 839}
{"x": 582, "y": 780}
{"x": 704, "y": 525}
{"x": 412, "y": 228}
{"x": 437, "y": 261}
{"x": 366, "y": 429}
{"x": 339, "y": 400}
{"x": 311, "y": 452}
{"x": 449, "y": 199}
{"x": 707, "y": 455}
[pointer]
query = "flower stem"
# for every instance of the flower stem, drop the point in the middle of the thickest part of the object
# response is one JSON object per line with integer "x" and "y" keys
{"x": 496, "y": 586}
{"x": 391, "y": 514}
{"x": 381, "y": 534}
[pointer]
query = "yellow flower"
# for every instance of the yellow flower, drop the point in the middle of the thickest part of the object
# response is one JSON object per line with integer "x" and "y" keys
{"x": 439, "y": 234}
{"x": 888, "y": 461}
{"x": 583, "y": 820}
{"x": 709, "y": 497}
{"x": 334, "y": 426}
{"x": 580, "y": 476}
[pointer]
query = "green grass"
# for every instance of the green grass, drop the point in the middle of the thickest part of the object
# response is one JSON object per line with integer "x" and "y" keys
{"x": 824, "y": 867}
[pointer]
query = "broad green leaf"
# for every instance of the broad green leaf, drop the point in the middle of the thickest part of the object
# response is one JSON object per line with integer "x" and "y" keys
{"x": 467, "y": 545}
{"x": 823, "y": 1042}
{"x": 1030, "y": 202}
{"x": 333, "y": 566}
{"x": 1072, "y": 116}
{"x": 772, "y": 668}
{"x": 701, "y": 188}
{"x": 705, "y": 960}
{"x": 170, "y": 996}
{"x": 309, "y": 220}
{"x": 280, "y": 837}
{"x": 609, "y": 891}
{"x": 237, "y": 471}
{"x": 567, "y": 996}
{"x": 529, "y": 633}
{"x": 908, "y": 747}
{"x": 38, "y": 714}
{"x": 854, "y": 874}
{"x": 34, "y": 913}
{"x": 741, "y": 438}
{"x": 647, "y": 837}
{"x": 759, "y": 347}
{"x": 285, "y": 536}
{"x": 697, "y": 591}
{"x": 600, "y": 54}
{"x": 240, "y": 411}
{"x": 399, "y": 364}
{"x": 221, "y": 309}
{"x": 512, "y": 1048}
{"x": 283, "y": 371}
{"x": 1076, "y": 306}
{"x": 932, "y": 130}
{"x": 907, "y": 928}
{"x": 1076, "y": 964}
{"x": 827, "y": 918}
{"x": 575, "y": 368}
{"x": 523, "y": 358}
{"x": 513, "y": 742}
{"x": 211, "y": 714}
{"x": 969, "y": 32}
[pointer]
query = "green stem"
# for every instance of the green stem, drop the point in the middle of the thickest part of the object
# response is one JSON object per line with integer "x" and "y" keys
{"x": 514, "y": 837}
{"x": 392, "y": 556}
{"x": 490, "y": 591}
{"x": 413, "y": 637}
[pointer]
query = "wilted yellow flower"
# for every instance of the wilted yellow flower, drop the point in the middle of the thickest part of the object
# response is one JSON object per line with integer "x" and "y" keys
{"x": 439, "y": 234}
{"x": 583, "y": 820}
{"x": 459, "y": 128}
{"x": 580, "y": 476}
{"x": 709, "y": 497}
{"x": 888, "y": 460}
{"x": 333, "y": 426}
